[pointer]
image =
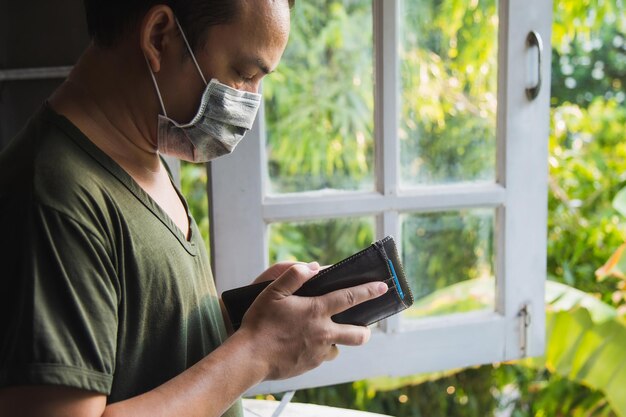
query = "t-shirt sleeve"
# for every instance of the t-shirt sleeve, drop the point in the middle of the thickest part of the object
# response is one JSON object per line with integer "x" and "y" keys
{"x": 63, "y": 304}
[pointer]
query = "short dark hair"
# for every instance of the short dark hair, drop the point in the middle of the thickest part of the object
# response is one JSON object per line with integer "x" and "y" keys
{"x": 109, "y": 20}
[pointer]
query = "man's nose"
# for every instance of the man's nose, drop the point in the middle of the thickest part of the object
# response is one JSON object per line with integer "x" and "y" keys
{"x": 254, "y": 87}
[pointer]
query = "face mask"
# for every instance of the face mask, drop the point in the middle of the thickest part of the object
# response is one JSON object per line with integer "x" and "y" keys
{"x": 224, "y": 116}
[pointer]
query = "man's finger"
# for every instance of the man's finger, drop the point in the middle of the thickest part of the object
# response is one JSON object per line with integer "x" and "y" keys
{"x": 349, "y": 335}
{"x": 274, "y": 271}
{"x": 341, "y": 300}
{"x": 292, "y": 279}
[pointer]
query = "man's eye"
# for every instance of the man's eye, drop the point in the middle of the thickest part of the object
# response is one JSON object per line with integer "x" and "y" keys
{"x": 244, "y": 77}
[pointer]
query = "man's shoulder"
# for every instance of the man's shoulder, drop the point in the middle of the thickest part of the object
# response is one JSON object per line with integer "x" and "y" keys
{"x": 45, "y": 163}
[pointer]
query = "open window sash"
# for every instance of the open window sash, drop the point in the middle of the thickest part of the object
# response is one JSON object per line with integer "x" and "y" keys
{"x": 241, "y": 210}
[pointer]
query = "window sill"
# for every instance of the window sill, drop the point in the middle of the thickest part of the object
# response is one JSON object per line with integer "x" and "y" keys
{"x": 263, "y": 408}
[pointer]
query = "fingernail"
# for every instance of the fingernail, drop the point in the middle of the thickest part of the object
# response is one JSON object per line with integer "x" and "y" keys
{"x": 382, "y": 288}
{"x": 313, "y": 266}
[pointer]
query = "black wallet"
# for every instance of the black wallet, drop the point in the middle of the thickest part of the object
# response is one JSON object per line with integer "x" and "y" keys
{"x": 378, "y": 262}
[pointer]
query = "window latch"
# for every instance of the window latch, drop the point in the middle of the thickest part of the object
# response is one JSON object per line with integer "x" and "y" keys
{"x": 524, "y": 324}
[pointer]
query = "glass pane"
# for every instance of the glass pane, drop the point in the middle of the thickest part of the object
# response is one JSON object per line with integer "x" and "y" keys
{"x": 319, "y": 103}
{"x": 449, "y": 261}
{"x": 448, "y": 73}
{"x": 324, "y": 241}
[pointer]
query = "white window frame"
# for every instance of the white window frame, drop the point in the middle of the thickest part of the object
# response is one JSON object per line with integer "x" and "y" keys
{"x": 241, "y": 211}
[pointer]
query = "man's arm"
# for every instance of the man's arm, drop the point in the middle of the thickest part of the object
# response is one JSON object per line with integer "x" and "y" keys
{"x": 282, "y": 336}
{"x": 206, "y": 389}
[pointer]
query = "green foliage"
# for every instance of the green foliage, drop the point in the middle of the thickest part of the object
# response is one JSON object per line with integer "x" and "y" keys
{"x": 448, "y": 74}
{"x": 587, "y": 166}
{"x": 326, "y": 242}
{"x": 320, "y": 123}
{"x": 432, "y": 263}
{"x": 589, "y": 55}
{"x": 586, "y": 339}
{"x": 589, "y": 352}
{"x": 475, "y": 294}
{"x": 468, "y": 393}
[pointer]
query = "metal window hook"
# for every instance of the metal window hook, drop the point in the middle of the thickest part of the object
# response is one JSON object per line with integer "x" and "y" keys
{"x": 534, "y": 40}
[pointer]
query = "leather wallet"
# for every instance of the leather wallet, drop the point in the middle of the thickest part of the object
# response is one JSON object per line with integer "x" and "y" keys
{"x": 378, "y": 262}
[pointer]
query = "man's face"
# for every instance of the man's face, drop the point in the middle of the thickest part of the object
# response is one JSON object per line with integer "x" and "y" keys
{"x": 242, "y": 53}
{"x": 238, "y": 54}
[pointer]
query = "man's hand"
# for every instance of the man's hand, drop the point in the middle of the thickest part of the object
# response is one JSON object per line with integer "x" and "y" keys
{"x": 295, "y": 334}
{"x": 275, "y": 271}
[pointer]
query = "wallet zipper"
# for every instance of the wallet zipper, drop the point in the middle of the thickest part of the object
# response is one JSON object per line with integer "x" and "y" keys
{"x": 392, "y": 270}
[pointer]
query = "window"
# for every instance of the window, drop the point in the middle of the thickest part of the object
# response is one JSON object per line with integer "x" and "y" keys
{"x": 384, "y": 121}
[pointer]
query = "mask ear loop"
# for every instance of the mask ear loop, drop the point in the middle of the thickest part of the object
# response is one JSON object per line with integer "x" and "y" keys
{"x": 156, "y": 86}
{"x": 190, "y": 51}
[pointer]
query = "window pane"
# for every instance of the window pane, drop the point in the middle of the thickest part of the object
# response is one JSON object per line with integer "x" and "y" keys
{"x": 448, "y": 71}
{"x": 449, "y": 261}
{"x": 319, "y": 103}
{"x": 324, "y": 241}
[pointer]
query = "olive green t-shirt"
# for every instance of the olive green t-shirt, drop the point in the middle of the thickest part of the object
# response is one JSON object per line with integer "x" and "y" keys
{"x": 99, "y": 289}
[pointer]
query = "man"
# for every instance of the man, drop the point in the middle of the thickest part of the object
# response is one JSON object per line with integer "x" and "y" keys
{"x": 107, "y": 304}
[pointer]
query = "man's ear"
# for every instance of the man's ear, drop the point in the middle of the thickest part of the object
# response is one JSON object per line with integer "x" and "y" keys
{"x": 158, "y": 29}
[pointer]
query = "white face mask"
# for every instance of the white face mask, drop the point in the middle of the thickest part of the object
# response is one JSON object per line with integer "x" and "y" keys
{"x": 224, "y": 116}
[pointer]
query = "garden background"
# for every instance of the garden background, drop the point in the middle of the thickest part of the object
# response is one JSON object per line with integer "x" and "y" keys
{"x": 447, "y": 114}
